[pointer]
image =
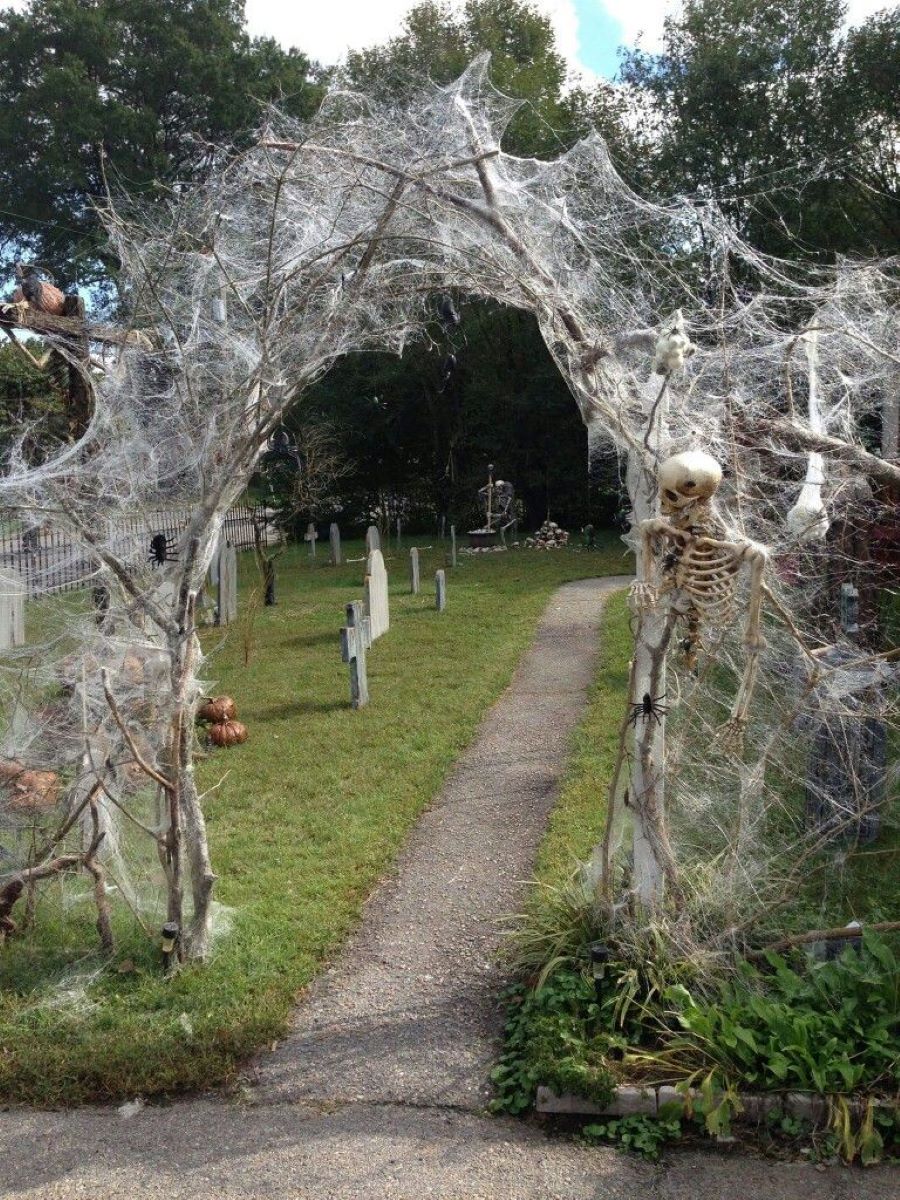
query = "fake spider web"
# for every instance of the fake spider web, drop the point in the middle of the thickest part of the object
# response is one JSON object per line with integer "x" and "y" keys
{"x": 333, "y": 237}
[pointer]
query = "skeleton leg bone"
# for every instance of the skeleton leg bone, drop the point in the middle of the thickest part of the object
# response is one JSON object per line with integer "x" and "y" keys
{"x": 731, "y": 733}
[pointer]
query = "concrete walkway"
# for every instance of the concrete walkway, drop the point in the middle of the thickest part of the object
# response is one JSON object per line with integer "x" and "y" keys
{"x": 409, "y": 1012}
{"x": 380, "y": 1088}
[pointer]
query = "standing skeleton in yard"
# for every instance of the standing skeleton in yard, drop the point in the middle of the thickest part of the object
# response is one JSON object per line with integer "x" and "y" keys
{"x": 685, "y": 553}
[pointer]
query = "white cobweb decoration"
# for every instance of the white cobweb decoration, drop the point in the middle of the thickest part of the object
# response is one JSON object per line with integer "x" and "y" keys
{"x": 332, "y": 237}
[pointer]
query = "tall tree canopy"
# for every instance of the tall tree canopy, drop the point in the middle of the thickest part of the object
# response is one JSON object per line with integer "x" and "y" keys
{"x": 143, "y": 84}
{"x": 767, "y": 107}
{"x": 409, "y": 425}
{"x": 438, "y": 41}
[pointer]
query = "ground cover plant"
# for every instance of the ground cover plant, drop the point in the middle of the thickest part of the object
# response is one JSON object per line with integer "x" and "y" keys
{"x": 308, "y": 815}
{"x": 826, "y": 1023}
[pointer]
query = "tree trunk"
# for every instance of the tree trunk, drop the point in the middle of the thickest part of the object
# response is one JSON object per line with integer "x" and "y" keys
{"x": 654, "y": 861}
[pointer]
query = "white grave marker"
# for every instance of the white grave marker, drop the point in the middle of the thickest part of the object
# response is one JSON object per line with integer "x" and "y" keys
{"x": 12, "y": 610}
{"x": 334, "y": 537}
{"x": 414, "y": 571}
{"x": 376, "y": 595}
{"x": 373, "y": 539}
{"x": 227, "y": 584}
{"x": 440, "y": 590}
{"x": 311, "y": 536}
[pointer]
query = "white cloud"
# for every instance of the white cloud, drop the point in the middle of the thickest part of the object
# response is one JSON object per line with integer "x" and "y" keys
{"x": 327, "y": 30}
{"x": 636, "y": 17}
{"x": 640, "y": 17}
{"x": 859, "y": 10}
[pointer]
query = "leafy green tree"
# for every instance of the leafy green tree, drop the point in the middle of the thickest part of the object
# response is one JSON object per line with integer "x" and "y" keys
{"x": 145, "y": 85}
{"x": 439, "y": 41}
{"x": 766, "y": 107}
{"x": 409, "y": 425}
{"x": 868, "y": 96}
{"x": 31, "y": 398}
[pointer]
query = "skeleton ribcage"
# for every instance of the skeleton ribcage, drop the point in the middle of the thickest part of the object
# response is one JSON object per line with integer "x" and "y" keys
{"x": 706, "y": 572}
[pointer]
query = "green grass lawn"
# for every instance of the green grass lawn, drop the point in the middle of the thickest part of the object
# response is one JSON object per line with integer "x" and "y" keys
{"x": 306, "y": 817}
{"x": 576, "y": 823}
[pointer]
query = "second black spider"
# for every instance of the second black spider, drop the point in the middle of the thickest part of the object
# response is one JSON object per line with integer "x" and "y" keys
{"x": 162, "y": 549}
{"x": 649, "y": 708}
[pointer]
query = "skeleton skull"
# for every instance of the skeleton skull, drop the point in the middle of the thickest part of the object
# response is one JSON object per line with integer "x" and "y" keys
{"x": 687, "y": 477}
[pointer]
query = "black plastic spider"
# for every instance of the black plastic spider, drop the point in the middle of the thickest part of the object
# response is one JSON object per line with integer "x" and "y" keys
{"x": 649, "y": 707}
{"x": 282, "y": 451}
{"x": 162, "y": 549}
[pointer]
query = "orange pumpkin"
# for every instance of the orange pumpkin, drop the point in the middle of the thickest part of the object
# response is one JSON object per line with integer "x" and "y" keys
{"x": 227, "y": 733}
{"x": 217, "y": 709}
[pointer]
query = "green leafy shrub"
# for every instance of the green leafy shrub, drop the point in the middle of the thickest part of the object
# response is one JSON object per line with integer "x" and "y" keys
{"x": 554, "y": 1036}
{"x": 643, "y": 1135}
{"x": 830, "y": 1027}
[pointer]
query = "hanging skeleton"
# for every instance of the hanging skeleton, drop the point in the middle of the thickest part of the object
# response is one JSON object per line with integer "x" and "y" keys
{"x": 686, "y": 556}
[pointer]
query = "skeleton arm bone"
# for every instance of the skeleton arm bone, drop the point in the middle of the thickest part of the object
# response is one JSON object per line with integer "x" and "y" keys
{"x": 646, "y": 591}
{"x": 754, "y": 644}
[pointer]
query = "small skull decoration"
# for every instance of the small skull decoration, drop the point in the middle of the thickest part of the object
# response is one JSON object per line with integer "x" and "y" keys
{"x": 672, "y": 347}
{"x": 686, "y": 554}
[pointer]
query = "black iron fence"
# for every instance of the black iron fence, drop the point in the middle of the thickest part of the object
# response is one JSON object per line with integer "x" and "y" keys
{"x": 49, "y": 560}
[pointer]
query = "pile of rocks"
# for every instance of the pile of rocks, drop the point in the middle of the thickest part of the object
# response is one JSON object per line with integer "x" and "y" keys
{"x": 548, "y": 537}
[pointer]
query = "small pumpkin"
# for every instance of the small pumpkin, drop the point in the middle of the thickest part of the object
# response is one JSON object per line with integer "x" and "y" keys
{"x": 227, "y": 733}
{"x": 217, "y": 709}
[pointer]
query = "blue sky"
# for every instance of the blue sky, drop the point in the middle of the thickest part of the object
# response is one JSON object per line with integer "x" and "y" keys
{"x": 599, "y": 35}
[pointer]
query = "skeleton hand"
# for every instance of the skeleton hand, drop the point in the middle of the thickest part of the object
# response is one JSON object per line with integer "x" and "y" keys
{"x": 643, "y": 596}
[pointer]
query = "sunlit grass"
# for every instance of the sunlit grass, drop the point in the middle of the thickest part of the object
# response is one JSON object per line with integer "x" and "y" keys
{"x": 306, "y": 817}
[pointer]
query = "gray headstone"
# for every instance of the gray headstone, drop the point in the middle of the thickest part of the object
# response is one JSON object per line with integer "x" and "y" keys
{"x": 12, "y": 610}
{"x": 358, "y": 618}
{"x": 311, "y": 536}
{"x": 849, "y": 609}
{"x": 440, "y": 590}
{"x": 373, "y": 539}
{"x": 452, "y": 545}
{"x": 227, "y": 584}
{"x": 354, "y": 643}
{"x": 334, "y": 537}
{"x": 414, "y": 571}
{"x": 376, "y": 595}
